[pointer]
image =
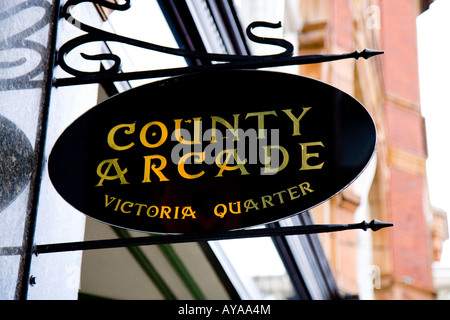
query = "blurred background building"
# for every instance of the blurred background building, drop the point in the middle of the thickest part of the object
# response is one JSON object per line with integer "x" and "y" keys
{"x": 395, "y": 263}
{"x": 389, "y": 88}
{"x": 399, "y": 261}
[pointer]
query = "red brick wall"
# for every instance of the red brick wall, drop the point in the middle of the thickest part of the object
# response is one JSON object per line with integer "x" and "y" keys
{"x": 342, "y": 27}
{"x": 405, "y": 128}
{"x": 410, "y": 236}
{"x": 405, "y": 131}
{"x": 404, "y": 188}
{"x": 399, "y": 41}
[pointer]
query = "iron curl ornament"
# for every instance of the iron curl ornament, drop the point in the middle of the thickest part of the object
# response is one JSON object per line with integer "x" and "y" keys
{"x": 223, "y": 61}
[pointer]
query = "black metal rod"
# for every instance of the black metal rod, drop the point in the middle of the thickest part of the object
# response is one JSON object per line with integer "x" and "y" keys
{"x": 211, "y": 236}
{"x": 30, "y": 222}
{"x": 262, "y": 62}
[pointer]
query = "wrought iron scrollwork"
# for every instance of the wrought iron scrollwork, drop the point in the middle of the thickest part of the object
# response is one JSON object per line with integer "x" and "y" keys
{"x": 227, "y": 61}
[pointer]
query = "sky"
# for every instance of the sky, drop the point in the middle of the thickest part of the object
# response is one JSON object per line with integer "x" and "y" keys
{"x": 434, "y": 70}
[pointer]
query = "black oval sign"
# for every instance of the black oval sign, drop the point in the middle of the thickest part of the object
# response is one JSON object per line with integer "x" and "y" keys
{"x": 212, "y": 151}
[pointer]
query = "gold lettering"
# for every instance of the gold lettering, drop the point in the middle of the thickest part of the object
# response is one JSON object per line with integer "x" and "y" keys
{"x": 120, "y": 174}
{"x": 250, "y": 204}
{"x": 149, "y": 167}
{"x": 112, "y": 143}
{"x": 267, "y": 200}
{"x": 293, "y": 193}
{"x": 140, "y": 205}
{"x": 154, "y": 209}
{"x": 305, "y": 186}
{"x": 165, "y": 212}
{"x": 106, "y": 200}
{"x": 224, "y": 210}
{"x": 117, "y": 205}
{"x": 128, "y": 204}
{"x": 188, "y": 212}
{"x": 268, "y": 159}
{"x": 306, "y": 156}
{"x": 225, "y": 166}
{"x": 199, "y": 157}
{"x": 197, "y": 129}
{"x": 261, "y": 115}
{"x": 296, "y": 121}
{"x": 238, "y": 206}
{"x": 143, "y": 135}
{"x": 225, "y": 123}
{"x": 280, "y": 196}
{"x": 176, "y": 212}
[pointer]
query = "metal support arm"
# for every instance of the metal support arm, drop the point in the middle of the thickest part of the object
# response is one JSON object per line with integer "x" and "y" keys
{"x": 375, "y": 225}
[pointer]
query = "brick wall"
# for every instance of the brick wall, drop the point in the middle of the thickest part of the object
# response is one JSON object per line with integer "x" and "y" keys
{"x": 407, "y": 196}
{"x": 406, "y": 128}
{"x": 410, "y": 241}
{"x": 399, "y": 40}
{"x": 399, "y": 192}
{"x": 342, "y": 26}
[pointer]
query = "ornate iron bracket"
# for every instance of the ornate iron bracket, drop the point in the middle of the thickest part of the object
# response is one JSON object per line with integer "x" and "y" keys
{"x": 227, "y": 61}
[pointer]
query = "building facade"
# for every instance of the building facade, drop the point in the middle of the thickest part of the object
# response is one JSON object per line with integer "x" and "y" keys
{"x": 397, "y": 261}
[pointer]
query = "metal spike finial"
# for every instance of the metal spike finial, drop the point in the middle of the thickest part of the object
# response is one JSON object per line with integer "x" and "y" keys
{"x": 376, "y": 225}
{"x": 368, "y": 53}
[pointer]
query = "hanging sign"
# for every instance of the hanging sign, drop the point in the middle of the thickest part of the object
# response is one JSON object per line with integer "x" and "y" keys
{"x": 212, "y": 151}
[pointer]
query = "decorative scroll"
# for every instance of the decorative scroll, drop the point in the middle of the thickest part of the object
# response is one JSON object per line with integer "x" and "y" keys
{"x": 20, "y": 40}
{"x": 227, "y": 61}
